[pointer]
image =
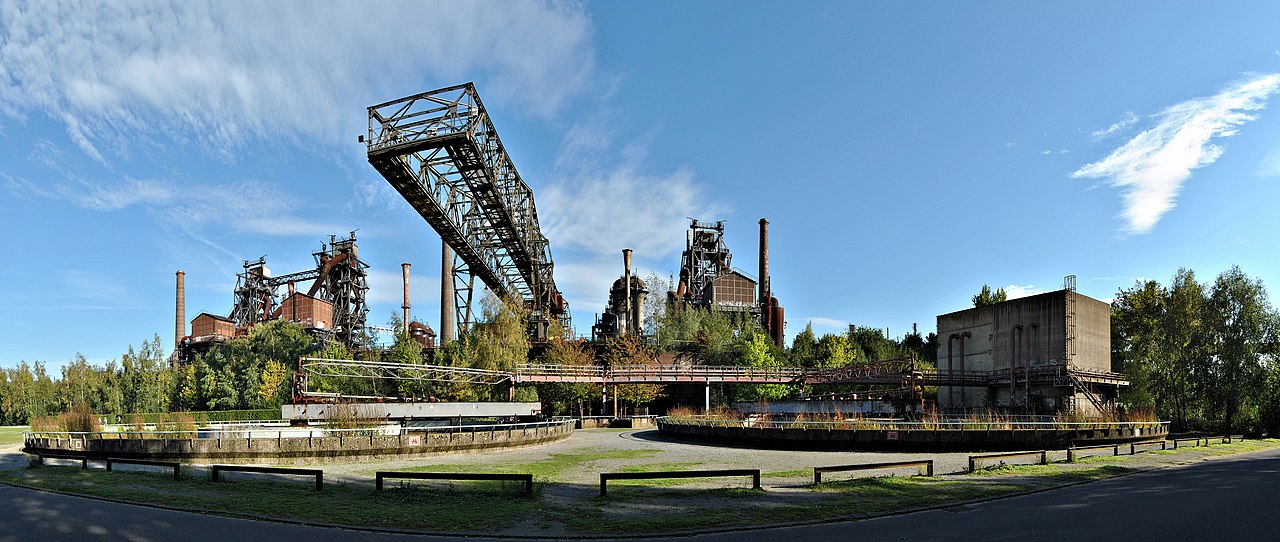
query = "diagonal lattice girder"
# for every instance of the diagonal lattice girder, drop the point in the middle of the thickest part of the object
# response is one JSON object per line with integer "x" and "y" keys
{"x": 440, "y": 151}
{"x": 399, "y": 371}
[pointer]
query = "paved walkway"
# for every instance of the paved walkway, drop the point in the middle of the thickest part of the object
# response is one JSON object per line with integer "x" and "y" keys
{"x": 1205, "y": 500}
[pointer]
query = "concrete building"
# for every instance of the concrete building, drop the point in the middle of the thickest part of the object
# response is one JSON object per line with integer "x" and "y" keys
{"x": 1043, "y": 354}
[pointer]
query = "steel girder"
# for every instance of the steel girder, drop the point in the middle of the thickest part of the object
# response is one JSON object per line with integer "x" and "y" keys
{"x": 440, "y": 151}
{"x": 399, "y": 371}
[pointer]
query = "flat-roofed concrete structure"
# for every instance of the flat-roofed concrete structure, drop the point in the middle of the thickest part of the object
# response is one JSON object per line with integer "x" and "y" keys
{"x": 1043, "y": 354}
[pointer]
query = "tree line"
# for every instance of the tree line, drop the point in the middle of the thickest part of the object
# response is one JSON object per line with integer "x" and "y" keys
{"x": 1202, "y": 355}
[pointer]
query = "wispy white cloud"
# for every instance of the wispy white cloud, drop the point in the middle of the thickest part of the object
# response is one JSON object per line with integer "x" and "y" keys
{"x": 220, "y": 75}
{"x": 1151, "y": 168}
{"x": 606, "y": 197}
{"x": 1014, "y": 291}
{"x": 1116, "y": 128}
{"x": 827, "y": 323}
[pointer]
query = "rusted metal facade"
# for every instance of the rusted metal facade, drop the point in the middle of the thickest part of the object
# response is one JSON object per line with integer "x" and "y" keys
{"x": 206, "y": 324}
{"x": 708, "y": 280}
{"x": 339, "y": 279}
{"x": 440, "y": 151}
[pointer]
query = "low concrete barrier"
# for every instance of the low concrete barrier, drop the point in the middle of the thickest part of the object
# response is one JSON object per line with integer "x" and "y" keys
{"x": 217, "y": 470}
{"x": 927, "y": 464}
{"x": 974, "y": 459}
{"x": 606, "y": 476}
{"x": 326, "y": 445}
{"x": 379, "y": 476}
{"x": 1074, "y": 451}
{"x": 177, "y": 472}
{"x": 1133, "y": 446}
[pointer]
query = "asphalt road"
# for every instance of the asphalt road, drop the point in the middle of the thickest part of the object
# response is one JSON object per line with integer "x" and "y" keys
{"x": 1223, "y": 497}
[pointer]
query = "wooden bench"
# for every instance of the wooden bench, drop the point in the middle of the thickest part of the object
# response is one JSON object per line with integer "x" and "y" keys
{"x": 1133, "y": 446}
{"x": 606, "y": 476}
{"x": 1226, "y": 439}
{"x": 1177, "y": 441}
{"x": 1075, "y": 451}
{"x": 216, "y": 470}
{"x": 379, "y": 476}
{"x": 927, "y": 464}
{"x": 167, "y": 464}
{"x": 83, "y": 459}
{"x": 973, "y": 459}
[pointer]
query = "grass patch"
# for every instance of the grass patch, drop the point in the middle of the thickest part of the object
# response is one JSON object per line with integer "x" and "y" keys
{"x": 11, "y": 434}
{"x": 797, "y": 473}
{"x": 349, "y": 504}
{"x": 542, "y": 469}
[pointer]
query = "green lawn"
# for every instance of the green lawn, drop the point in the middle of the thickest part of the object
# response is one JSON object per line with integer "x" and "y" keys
{"x": 559, "y": 507}
{"x": 11, "y": 434}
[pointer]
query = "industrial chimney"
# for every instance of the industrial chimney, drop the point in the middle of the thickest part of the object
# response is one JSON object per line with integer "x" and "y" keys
{"x": 626, "y": 288}
{"x": 180, "y": 320}
{"x": 448, "y": 328}
{"x": 764, "y": 264}
{"x": 404, "y": 267}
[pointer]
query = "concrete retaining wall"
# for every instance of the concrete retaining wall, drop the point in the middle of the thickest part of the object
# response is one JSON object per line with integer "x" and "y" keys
{"x": 303, "y": 450}
{"x": 941, "y": 440}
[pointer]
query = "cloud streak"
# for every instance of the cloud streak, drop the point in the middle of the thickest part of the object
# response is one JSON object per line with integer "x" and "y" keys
{"x": 220, "y": 76}
{"x": 1151, "y": 168}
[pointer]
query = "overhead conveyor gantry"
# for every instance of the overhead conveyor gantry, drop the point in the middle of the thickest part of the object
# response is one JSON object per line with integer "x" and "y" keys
{"x": 440, "y": 151}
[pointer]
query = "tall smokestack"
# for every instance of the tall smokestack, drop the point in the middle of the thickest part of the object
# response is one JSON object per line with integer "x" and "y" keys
{"x": 448, "y": 328}
{"x": 404, "y": 267}
{"x": 764, "y": 264}
{"x": 626, "y": 285}
{"x": 180, "y": 320}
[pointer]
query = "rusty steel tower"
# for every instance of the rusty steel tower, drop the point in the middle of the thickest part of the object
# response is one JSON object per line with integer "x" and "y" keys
{"x": 339, "y": 278}
{"x": 440, "y": 151}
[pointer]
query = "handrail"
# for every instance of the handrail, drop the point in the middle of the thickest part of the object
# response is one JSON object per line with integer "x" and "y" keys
{"x": 892, "y": 425}
{"x": 309, "y": 431}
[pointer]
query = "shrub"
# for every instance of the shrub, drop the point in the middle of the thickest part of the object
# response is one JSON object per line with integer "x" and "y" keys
{"x": 80, "y": 419}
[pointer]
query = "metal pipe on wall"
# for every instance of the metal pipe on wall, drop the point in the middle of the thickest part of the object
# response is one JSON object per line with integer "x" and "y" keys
{"x": 964, "y": 398}
{"x": 951, "y": 374}
{"x": 1015, "y": 334}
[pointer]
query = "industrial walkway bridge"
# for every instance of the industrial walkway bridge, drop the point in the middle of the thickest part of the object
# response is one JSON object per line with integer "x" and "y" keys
{"x": 903, "y": 373}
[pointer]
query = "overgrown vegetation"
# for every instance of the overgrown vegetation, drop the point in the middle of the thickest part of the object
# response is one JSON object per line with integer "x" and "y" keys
{"x": 1201, "y": 355}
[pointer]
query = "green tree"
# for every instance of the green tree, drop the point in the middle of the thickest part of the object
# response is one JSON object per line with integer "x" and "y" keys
{"x": 834, "y": 351}
{"x": 560, "y": 397}
{"x": 1244, "y": 335}
{"x": 759, "y": 351}
{"x": 804, "y": 348}
{"x": 986, "y": 297}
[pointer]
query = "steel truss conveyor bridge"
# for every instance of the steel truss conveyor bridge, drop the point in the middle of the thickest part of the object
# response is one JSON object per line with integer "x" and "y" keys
{"x": 901, "y": 372}
{"x": 440, "y": 151}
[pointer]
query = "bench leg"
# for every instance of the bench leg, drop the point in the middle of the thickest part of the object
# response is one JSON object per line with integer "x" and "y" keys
{"x": 603, "y": 486}
{"x": 755, "y": 480}
{"x": 320, "y": 481}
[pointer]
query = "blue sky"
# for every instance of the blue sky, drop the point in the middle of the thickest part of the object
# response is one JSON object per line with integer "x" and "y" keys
{"x": 905, "y": 154}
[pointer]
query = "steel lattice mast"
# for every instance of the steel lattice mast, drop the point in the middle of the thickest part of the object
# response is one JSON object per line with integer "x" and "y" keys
{"x": 439, "y": 149}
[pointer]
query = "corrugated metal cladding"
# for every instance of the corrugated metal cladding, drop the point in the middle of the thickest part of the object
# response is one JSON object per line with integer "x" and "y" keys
{"x": 308, "y": 311}
{"x": 733, "y": 290}
{"x": 208, "y": 324}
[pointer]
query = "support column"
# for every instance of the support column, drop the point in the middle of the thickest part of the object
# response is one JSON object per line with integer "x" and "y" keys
{"x": 706, "y": 402}
{"x": 615, "y": 400}
{"x": 448, "y": 327}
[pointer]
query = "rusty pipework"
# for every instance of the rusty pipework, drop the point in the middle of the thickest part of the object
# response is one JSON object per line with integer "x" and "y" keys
{"x": 1026, "y": 362}
{"x": 964, "y": 400}
{"x": 951, "y": 373}
{"x": 1015, "y": 343}
{"x": 404, "y": 269}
